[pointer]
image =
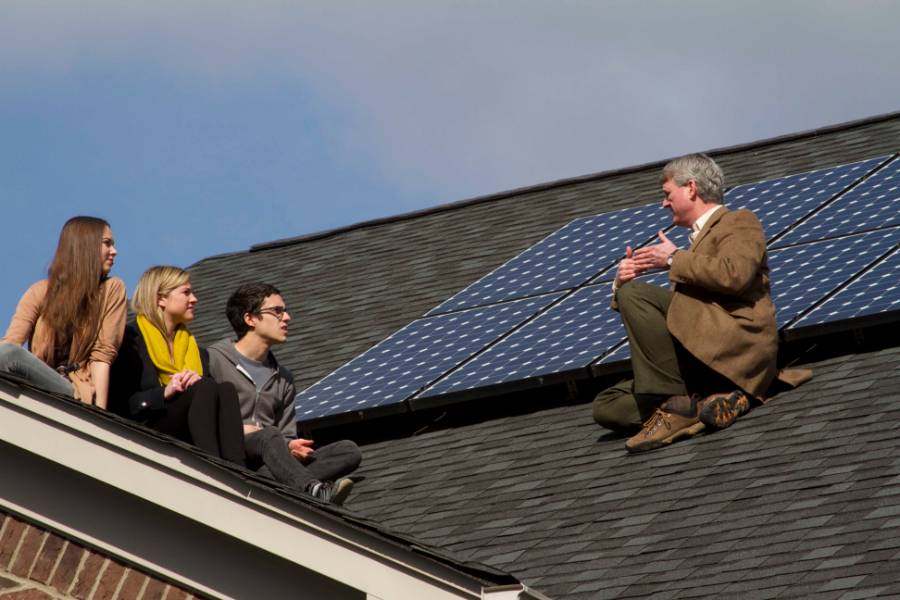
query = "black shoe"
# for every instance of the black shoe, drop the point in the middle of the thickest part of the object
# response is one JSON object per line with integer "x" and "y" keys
{"x": 332, "y": 492}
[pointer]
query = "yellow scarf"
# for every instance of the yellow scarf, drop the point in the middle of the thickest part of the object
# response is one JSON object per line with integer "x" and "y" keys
{"x": 187, "y": 353}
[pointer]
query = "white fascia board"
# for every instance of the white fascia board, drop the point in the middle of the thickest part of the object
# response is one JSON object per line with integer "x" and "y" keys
{"x": 179, "y": 481}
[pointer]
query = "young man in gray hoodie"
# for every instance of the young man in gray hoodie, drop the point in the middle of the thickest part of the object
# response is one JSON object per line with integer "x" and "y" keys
{"x": 260, "y": 319}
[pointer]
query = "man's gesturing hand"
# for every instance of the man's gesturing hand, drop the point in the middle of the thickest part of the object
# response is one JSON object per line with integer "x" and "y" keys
{"x": 627, "y": 268}
{"x": 654, "y": 257}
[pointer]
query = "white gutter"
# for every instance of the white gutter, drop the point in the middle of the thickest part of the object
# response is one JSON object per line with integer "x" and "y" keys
{"x": 512, "y": 592}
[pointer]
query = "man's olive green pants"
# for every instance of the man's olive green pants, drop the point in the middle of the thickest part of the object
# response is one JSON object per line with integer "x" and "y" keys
{"x": 660, "y": 364}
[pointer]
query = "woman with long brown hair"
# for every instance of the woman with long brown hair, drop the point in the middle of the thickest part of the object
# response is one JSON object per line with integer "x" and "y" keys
{"x": 72, "y": 321}
{"x": 161, "y": 376}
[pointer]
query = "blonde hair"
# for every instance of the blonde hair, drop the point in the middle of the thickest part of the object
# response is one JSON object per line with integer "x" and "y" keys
{"x": 157, "y": 282}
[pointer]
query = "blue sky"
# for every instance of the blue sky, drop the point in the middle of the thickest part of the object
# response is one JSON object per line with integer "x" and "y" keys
{"x": 198, "y": 128}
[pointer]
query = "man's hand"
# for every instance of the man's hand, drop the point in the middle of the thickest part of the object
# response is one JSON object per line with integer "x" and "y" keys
{"x": 627, "y": 268}
{"x": 301, "y": 449}
{"x": 654, "y": 257}
{"x": 179, "y": 382}
{"x": 251, "y": 428}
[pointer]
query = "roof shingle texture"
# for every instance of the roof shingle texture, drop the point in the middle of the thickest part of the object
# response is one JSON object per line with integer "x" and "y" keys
{"x": 799, "y": 498}
{"x": 352, "y": 289}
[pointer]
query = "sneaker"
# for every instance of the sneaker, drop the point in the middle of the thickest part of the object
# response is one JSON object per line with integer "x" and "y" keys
{"x": 332, "y": 492}
{"x": 664, "y": 427}
{"x": 721, "y": 410}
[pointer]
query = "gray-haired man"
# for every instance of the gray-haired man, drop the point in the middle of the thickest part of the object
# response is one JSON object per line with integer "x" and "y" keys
{"x": 703, "y": 350}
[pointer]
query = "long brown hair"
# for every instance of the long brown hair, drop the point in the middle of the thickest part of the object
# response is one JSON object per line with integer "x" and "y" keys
{"x": 73, "y": 304}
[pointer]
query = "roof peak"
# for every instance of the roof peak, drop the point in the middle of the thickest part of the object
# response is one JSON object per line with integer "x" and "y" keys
{"x": 460, "y": 204}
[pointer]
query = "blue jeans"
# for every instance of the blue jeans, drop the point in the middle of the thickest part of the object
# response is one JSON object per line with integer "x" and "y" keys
{"x": 16, "y": 360}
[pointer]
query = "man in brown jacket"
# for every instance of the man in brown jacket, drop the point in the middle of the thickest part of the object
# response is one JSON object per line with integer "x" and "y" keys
{"x": 703, "y": 350}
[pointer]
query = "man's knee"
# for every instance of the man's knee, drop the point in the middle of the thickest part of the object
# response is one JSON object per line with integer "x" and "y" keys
{"x": 350, "y": 451}
{"x": 615, "y": 408}
{"x": 636, "y": 295}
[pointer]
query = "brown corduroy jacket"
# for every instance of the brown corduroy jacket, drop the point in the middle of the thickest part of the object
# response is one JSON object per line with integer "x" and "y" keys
{"x": 721, "y": 309}
{"x": 28, "y": 326}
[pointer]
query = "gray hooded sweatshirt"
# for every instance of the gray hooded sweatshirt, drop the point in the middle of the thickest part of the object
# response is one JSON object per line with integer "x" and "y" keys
{"x": 273, "y": 404}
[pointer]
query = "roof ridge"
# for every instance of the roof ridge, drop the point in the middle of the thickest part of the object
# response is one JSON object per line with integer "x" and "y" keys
{"x": 459, "y": 204}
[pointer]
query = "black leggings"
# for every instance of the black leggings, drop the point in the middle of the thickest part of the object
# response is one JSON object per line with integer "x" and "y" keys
{"x": 208, "y": 415}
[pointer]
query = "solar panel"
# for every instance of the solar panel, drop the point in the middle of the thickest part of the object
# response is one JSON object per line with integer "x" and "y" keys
{"x": 804, "y": 275}
{"x": 563, "y": 260}
{"x": 567, "y": 337}
{"x": 872, "y": 204}
{"x": 413, "y": 357}
{"x": 877, "y": 291}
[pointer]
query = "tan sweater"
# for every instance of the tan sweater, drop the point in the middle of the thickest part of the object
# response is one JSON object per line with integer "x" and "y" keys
{"x": 28, "y": 326}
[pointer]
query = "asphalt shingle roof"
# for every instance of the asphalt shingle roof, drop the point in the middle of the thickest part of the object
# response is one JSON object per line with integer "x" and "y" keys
{"x": 800, "y": 498}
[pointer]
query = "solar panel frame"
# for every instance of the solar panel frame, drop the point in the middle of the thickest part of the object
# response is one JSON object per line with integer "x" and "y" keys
{"x": 579, "y": 260}
{"x": 872, "y": 204}
{"x": 564, "y": 260}
{"x": 396, "y": 368}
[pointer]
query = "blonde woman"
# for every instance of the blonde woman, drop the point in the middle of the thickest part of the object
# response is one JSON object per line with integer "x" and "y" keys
{"x": 161, "y": 377}
{"x": 73, "y": 320}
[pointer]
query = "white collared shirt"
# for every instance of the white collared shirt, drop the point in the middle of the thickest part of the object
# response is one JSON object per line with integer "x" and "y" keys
{"x": 701, "y": 221}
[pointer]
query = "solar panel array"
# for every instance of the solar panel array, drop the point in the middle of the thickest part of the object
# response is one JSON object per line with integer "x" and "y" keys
{"x": 413, "y": 357}
{"x": 832, "y": 229}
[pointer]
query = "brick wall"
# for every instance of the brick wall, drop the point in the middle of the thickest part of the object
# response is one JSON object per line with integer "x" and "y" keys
{"x": 36, "y": 564}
